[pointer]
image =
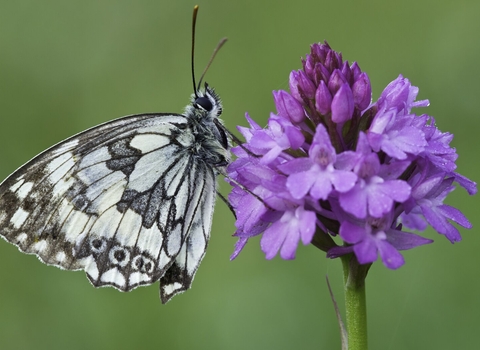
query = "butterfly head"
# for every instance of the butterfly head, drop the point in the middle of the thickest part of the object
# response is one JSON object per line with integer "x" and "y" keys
{"x": 207, "y": 103}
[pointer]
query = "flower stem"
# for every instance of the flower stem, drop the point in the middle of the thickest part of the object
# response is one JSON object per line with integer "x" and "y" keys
{"x": 354, "y": 276}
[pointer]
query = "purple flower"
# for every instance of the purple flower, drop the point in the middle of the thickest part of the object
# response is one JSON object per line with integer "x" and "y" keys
{"x": 316, "y": 174}
{"x": 280, "y": 135}
{"x": 375, "y": 237}
{"x": 395, "y": 135}
{"x": 284, "y": 235}
{"x": 332, "y": 163}
{"x": 400, "y": 95}
{"x": 373, "y": 194}
{"x": 427, "y": 202}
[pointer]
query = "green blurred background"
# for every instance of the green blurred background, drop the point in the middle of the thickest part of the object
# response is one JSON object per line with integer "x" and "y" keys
{"x": 68, "y": 65}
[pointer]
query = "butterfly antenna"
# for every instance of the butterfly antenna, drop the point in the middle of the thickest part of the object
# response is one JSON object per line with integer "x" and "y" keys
{"x": 219, "y": 46}
{"x": 194, "y": 21}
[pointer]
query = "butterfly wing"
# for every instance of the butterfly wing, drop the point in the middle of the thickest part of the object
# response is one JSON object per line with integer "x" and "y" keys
{"x": 126, "y": 201}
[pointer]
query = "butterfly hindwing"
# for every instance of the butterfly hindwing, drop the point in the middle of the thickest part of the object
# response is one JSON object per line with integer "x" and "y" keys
{"x": 127, "y": 201}
{"x": 179, "y": 276}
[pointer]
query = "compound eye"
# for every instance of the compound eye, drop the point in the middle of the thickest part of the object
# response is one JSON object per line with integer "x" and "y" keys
{"x": 204, "y": 103}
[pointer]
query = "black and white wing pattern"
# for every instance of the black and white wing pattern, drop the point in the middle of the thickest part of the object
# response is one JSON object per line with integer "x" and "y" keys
{"x": 129, "y": 201}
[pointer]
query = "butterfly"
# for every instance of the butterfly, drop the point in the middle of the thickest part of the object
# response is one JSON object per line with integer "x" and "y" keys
{"x": 129, "y": 201}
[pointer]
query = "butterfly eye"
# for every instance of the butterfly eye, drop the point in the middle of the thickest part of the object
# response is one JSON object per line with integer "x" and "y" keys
{"x": 204, "y": 103}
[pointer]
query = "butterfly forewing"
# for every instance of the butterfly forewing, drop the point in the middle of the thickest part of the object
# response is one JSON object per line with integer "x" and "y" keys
{"x": 129, "y": 201}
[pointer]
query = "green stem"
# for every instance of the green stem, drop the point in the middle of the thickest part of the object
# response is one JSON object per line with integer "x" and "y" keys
{"x": 355, "y": 302}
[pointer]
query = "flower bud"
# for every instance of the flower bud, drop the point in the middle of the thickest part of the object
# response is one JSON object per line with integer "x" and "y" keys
{"x": 347, "y": 72}
{"x": 288, "y": 107}
{"x": 342, "y": 104}
{"x": 323, "y": 99}
{"x": 336, "y": 80}
{"x": 362, "y": 92}
{"x": 300, "y": 85}
{"x": 355, "y": 68}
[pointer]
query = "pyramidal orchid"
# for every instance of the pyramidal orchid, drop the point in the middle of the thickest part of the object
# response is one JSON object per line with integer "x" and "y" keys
{"x": 353, "y": 177}
{"x": 331, "y": 162}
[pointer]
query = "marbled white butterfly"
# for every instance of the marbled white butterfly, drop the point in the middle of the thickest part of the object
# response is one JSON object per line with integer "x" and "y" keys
{"x": 129, "y": 201}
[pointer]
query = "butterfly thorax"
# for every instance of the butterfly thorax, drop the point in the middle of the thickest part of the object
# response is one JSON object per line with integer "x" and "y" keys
{"x": 210, "y": 142}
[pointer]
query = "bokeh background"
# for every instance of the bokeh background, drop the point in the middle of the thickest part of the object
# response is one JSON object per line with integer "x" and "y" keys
{"x": 68, "y": 65}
